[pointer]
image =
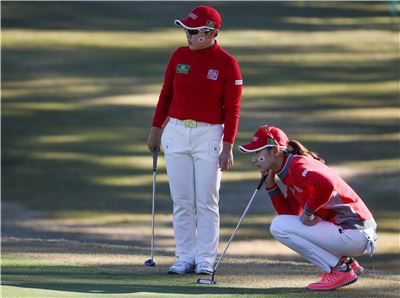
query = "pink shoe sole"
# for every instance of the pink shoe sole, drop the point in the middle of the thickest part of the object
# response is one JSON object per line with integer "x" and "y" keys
{"x": 343, "y": 285}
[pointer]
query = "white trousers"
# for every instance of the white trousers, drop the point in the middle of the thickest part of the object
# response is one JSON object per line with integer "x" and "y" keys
{"x": 322, "y": 244}
{"x": 192, "y": 158}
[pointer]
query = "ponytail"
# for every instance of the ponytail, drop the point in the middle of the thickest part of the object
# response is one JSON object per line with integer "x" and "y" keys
{"x": 295, "y": 147}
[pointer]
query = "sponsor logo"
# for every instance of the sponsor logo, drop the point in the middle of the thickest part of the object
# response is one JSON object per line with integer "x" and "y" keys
{"x": 212, "y": 74}
{"x": 182, "y": 68}
{"x": 255, "y": 139}
{"x": 192, "y": 15}
{"x": 238, "y": 82}
{"x": 291, "y": 190}
{"x": 298, "y": 189}
{"x": 210, "y": 23}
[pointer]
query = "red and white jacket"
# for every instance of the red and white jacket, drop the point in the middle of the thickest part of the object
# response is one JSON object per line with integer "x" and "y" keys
{"x": 315, "y": 188}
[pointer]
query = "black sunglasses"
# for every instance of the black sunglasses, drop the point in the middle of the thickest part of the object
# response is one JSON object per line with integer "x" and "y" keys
{"x": 195, "y": 31}
{"x": 192, "y": 31}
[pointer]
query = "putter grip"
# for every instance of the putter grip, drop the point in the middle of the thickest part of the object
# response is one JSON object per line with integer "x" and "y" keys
{"x": 155, "y": 154}
{"x": 260, "y": 183}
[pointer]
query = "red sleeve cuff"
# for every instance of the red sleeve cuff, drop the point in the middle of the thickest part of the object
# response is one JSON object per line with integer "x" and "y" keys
{"x": 274, "y": 192}
{"x": 308, "y": 211}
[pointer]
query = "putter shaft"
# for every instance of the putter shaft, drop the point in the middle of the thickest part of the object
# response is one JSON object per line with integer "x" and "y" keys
{"x": 234, "y": 231}
{"x": 153, "y": 214}
{"x": 260, "y": 182}
{"x": 150, "y": 261}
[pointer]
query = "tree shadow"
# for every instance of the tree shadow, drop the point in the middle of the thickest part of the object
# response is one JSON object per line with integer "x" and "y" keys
{"x": 125, "y": 16}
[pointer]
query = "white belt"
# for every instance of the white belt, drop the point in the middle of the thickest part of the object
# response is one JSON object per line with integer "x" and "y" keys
{"x": 189, "y": 123}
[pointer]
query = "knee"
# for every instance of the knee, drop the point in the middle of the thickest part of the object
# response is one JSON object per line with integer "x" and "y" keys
{"x": 207, "y": 201}
{"x": 183, "y": 204}
{"x": 277, "y": 227}
{"x": 207, "y": 207}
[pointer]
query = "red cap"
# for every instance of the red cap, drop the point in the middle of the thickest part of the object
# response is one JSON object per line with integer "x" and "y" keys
{"x": 201, "y": 17}
{"x": 266, "y": 136}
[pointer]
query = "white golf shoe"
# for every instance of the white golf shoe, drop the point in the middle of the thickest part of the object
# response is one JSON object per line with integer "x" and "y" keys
{"x": 204, "y": 268}
{"x": 181, "y": 267}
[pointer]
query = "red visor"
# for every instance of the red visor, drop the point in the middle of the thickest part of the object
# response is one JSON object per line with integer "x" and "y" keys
{"x": 266, "y": 136}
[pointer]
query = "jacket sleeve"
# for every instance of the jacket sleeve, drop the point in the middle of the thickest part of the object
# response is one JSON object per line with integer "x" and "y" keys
{"x": 321, "y": 184}
{"x": 282, "y": 204}
{"x": 232, "y": 94}
{"x": 164, "y": 101}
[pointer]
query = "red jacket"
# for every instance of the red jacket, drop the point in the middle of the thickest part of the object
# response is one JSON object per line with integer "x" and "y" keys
{"x": 204, "y": 86}
{"x": 315, "y": 188}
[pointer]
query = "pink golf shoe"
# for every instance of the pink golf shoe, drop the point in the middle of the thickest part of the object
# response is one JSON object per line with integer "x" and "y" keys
{"x": 333, "y": 280}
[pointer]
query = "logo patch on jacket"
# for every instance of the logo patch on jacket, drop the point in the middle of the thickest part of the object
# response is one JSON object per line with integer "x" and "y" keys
{"x": 298, "y": 189}
{"x": 212, "y": 74}
{"x": 182, "y": 68}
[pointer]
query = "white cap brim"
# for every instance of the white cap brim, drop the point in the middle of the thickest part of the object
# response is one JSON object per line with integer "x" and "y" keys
{"x": 241, "y": 148}
{"x": 179, "y": 23}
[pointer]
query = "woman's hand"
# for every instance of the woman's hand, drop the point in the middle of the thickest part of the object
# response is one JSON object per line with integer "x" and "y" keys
{"x": 309, "y": 220}
{"x": 153, "y": 142}
{"x": 226, "y": 157}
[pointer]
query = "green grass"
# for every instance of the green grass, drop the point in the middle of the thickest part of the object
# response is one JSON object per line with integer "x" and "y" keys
{"x": 260, "y": 277}
{"x": 79, "y": 85}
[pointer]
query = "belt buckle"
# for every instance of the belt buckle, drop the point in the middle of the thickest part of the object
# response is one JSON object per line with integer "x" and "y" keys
{"x": 189, "y": 123}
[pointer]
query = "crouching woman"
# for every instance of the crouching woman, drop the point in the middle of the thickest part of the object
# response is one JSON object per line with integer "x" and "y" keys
{"x": 320, "y": 216}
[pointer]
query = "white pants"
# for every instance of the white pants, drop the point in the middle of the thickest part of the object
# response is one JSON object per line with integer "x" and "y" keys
{"x": 192, "y": 158}
{"x": 322, "y": 244}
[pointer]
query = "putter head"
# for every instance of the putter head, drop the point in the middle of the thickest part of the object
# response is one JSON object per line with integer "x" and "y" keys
{"x": 150, "y": 263}
{"x": 206, "y": 282}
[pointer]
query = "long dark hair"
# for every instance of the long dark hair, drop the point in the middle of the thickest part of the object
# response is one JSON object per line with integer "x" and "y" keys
{"x": 295, "y": 147}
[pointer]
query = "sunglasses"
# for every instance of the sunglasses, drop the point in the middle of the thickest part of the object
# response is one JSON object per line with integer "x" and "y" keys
{"x": 195, "y": 31}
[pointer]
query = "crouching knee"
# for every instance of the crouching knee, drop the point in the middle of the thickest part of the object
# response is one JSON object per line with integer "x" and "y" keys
{"x": 278, "y": 227}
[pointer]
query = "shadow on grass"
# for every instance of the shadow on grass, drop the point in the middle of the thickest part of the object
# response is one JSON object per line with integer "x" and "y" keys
{"x": 73, "y": 185}
{"x": 125, "y": 16}
{"x": 234, "y": 265}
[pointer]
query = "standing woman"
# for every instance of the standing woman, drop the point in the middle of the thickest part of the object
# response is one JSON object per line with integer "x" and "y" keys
{"x": 320, "y": 217}
{"x": 198, "y": 108}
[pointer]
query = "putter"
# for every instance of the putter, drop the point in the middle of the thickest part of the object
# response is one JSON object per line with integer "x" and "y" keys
{"x": 150, "y": 261}
{"x": 212, "y": 281}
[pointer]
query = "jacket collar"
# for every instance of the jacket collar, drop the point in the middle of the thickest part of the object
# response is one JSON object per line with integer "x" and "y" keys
{"x": 282, "y": 173}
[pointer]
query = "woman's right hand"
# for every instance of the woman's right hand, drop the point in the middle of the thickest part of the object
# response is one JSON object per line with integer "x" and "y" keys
{"x": 309, "y": 220}
{"x": 153, "y": 142}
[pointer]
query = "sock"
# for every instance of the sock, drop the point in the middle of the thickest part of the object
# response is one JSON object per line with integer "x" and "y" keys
{"x": 344, "y": 259}
{"x": 342, "y": 267}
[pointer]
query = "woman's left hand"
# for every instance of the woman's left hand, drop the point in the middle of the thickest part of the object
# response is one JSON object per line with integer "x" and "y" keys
{"x": 226, "y": 157}
{"x": 309, "y": 220}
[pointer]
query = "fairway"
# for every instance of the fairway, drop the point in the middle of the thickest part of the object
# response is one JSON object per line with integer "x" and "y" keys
{"x": 80, "y": 81}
